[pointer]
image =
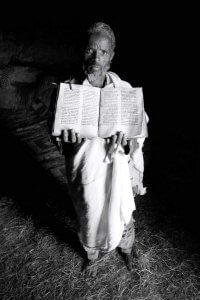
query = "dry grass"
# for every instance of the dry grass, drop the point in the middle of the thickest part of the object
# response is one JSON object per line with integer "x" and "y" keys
{"x": 35, "y": 264}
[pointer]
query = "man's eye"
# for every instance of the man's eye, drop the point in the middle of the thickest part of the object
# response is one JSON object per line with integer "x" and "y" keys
{"x": 104, "y": 52}
{"x": 89, "y": 51}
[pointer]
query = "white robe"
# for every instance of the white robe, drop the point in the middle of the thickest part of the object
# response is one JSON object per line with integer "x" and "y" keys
{"x": 101, "y": 187}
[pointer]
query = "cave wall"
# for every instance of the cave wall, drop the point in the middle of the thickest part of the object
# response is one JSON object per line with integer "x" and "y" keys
{"x": 32, "y": 57}
{"x": 30, "y": 60}
{"x": 36, "y": 49}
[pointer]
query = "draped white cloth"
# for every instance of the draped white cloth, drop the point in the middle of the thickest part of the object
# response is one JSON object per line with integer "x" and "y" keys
{"x": 101, "y": 187}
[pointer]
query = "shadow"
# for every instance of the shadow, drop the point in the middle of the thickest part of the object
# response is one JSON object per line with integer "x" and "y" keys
{"x": 34, "y": 191}
{"x": 173, "y": 165}
{"x": 172, "y": 175}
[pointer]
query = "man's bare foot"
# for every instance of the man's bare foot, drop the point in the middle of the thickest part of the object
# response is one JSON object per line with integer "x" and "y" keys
{"x": 129, "y": 261}
{"x": 90, "y": 268}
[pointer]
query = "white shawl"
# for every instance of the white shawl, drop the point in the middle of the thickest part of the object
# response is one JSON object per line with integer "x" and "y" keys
{"x": 101, "y": 188}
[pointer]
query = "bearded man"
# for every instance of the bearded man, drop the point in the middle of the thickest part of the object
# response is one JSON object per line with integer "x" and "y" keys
{"x": 103, "y": 190}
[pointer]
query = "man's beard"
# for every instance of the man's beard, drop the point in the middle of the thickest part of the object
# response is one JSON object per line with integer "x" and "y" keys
{"x": 95, "y": 74}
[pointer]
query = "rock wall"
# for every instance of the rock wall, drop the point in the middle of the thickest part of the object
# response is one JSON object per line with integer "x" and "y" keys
{"x": 31, "y": 60}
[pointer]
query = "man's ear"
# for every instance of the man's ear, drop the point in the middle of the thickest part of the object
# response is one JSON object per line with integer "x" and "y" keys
{"x": 112, "y": 55}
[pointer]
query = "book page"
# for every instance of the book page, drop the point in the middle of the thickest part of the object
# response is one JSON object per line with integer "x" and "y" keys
{"x": 78, "y": 109}
{"x": 67, "y": 108}
{"x": 131, "y": 111}
{"x": 88, "y": 126}
{"x": 109, "y": 111}
{"x": 121, "y": 110}
{"x": 90, "y": 110}
{"x": 70, "y": 104}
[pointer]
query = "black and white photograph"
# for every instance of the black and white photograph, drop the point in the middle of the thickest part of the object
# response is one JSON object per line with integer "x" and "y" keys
{"x": 99, "y": 155}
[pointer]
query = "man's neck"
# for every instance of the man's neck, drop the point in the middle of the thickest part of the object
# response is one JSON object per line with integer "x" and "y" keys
{"x": 97, "y": 81}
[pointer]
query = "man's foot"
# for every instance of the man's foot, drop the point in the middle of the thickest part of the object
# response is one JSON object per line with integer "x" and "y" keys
{"x": 128, "y": 261}
{"x": 90, "y": 268}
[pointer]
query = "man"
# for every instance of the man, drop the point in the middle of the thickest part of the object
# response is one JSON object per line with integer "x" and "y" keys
{"x": 102, "y": 172}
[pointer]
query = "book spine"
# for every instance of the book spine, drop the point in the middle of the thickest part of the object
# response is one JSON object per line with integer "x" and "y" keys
{"x": 55, "y": 108}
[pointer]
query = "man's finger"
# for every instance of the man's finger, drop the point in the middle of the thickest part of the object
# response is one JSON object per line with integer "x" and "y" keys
{"x": 78, "y": 138}
{"x": 112, "y": 144}
{"x": 65, "y": 136}
{"x": 73, "y": 136}
{"x": 119, "y": 137}
{"x": 124, "y": 140}
{"x": 113, "y": 139}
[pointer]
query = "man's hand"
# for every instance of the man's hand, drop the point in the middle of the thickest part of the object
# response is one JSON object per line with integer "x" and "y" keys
{"x": 117, "y": 139}
{"x": 70, "y": 136}
{"x": 120, "y": 138}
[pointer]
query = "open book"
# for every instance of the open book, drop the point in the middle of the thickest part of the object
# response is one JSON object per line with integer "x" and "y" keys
{"x": 93, "y": 111}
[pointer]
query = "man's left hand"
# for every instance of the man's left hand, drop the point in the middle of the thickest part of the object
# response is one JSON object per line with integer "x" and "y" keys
{"x": 117, "y": 139}
{"x": 121, "y": 139}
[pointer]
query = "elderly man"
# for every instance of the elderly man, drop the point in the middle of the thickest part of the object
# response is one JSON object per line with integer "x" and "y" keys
{"x": 103, "y": 175}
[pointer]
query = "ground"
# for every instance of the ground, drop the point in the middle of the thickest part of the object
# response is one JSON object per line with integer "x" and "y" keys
{"x": 40, "y": 255}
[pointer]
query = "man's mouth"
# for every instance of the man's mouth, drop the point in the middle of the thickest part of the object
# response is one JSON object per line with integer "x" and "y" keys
{"x": 94, "y": 67}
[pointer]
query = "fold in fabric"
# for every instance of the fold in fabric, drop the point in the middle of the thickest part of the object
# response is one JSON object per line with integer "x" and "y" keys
{"x": 101, "y": 187}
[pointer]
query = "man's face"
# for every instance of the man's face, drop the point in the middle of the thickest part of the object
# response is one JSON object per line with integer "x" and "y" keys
{"x": 98, "y": 55}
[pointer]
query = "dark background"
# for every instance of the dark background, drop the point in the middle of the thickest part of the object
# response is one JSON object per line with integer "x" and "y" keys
{"x": 156, "y": 50}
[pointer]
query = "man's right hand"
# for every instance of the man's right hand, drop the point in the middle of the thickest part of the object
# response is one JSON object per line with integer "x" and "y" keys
{"x": 70, "y": 136}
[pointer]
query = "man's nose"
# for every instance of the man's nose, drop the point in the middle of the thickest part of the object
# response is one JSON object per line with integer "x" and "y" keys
{"x": 96, "y": 56}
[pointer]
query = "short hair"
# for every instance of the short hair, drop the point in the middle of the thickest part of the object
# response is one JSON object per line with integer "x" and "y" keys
{"x": 100, "y": 27}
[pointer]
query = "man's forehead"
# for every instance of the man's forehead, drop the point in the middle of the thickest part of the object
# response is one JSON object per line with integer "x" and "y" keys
{"x": 100, "y": 39}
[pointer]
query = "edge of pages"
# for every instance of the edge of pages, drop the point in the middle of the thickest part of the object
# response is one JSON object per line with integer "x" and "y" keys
{"x": 94, "y": 132}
